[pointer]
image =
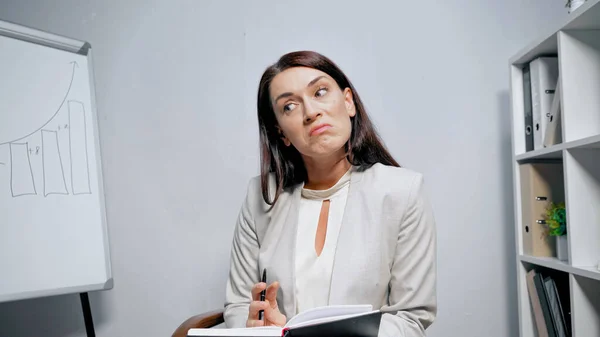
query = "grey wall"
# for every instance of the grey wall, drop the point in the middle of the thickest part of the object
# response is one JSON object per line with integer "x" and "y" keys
{"x": 176, "y": 82}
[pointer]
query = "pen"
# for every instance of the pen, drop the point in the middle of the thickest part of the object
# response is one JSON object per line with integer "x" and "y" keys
{"x": 263, "y": 293}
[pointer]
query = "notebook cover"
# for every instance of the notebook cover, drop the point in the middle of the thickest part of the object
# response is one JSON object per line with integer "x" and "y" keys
{"x": 541, "y": 290}
{"x": 555, "y": 307}
{"x": 536, "y": 305}
{"x": 361, "y": 326}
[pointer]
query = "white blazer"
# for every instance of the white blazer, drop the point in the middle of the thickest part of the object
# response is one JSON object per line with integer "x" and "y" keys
{"x": 386, "y": 251}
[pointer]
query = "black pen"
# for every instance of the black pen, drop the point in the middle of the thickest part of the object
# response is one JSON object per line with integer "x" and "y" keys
{"x": 263, "y": 293}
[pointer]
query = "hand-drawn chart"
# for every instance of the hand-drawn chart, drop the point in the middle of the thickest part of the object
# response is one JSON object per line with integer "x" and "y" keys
{"x": 54, "y": 175}
{"x": 80, "y": 171}
{"x": 47, "y": 150}
{"x": 21, "y": 176}
{"x": 51, "y": 186}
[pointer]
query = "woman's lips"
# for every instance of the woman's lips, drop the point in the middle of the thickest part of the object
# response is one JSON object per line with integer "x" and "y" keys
{"x": 319, "y": 129}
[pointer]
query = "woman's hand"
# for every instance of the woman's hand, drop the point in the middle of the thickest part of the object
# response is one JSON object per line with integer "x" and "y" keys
{"x": 271, "y": 316}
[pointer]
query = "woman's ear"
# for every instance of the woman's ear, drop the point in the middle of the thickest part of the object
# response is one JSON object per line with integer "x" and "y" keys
{"x": 349, "y": 101}
{"x": 283, "y": 137}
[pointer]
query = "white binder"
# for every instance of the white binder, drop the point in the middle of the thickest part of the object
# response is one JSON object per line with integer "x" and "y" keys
{"x": 544, "y": 76}
{"x": 553, "y": 133}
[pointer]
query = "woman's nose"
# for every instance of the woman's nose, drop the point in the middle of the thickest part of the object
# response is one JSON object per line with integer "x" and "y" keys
{"x": 311, "y": 111}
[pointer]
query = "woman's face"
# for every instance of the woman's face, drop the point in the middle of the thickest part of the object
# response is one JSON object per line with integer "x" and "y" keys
{"x": 313, "y": 113}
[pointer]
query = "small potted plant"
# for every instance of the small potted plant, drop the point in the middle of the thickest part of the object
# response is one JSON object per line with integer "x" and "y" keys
{"x": 573, "y": 4}
{"x": 556, "y": 221}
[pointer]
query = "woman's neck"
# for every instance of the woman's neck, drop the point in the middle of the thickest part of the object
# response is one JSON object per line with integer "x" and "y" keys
{"x": 323, "y": 174}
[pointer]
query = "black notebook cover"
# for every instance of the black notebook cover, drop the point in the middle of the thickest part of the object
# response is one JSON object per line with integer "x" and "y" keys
{"x": 360, "y": 326}
{"x": 541, "y": 290}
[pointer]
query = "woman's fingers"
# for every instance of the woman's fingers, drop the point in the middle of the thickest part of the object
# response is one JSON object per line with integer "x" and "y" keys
{"x": 274, "y": 317}
{"x": 251, "y": 323}
{"x": 255, "y": 307}
{"x": 271, "y": 294}
{"x": 256, "y": 289}
{"x": 271, "y": 315}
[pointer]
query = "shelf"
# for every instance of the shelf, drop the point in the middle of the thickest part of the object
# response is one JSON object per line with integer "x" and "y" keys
{"x": 571, "y": 166}
{"x": 546, "y": 46}
{"x": 562, "y": 282}
{"x": 587, "y": 272}
{"x": 548, "y": 262}
{"x": 586, "y": 307}
{"x": 585, "y": 17}
{"x": 556, "y": 264}
{"x": 582, "y": 173}
{"x": 552, "y": 152}
{"x": 580, "y": 81}
{"x": 556, "y": 151}
{"x": 592, "y": 142}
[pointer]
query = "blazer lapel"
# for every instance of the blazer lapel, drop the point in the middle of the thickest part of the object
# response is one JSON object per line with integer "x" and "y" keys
{"x": 346, "y": 242}
{"x": 282, "y": 260}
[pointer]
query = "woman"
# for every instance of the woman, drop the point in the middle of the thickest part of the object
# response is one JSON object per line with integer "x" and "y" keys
{"x": 332, "y": 217}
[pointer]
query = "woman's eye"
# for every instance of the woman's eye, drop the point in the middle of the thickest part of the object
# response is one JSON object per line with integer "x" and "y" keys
{"x": 321, "y": 92}
{"x": 288, "y": 107}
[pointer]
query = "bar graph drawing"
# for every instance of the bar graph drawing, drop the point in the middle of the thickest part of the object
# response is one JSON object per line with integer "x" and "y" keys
{"x": 21, "y": 177}
{"x": 54, "y": 175}
{"x": 80, "y": 171}
{"x": 53, "y": 150}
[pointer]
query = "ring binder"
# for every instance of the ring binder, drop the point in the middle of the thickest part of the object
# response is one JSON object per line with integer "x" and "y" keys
{"x": 541, "y": 183}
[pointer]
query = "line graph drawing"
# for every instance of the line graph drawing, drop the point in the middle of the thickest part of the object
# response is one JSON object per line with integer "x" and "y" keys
{"x": 21, "y": 174}
{"x": 80, "y": 171}
{"x": 52, "y": 167}
{"x": 29, "y": 133}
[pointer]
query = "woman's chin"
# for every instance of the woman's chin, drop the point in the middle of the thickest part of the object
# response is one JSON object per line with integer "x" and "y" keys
{"x": 326, "y": 152}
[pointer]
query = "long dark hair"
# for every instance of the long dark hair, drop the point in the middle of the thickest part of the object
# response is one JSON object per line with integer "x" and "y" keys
{"x": 363, "y": 149}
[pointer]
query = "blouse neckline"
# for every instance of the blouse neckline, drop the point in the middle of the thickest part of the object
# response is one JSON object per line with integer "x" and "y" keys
{"x": 330, "y": 192}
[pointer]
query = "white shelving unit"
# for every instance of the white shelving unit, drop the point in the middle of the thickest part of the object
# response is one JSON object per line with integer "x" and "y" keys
{"x": 576, "y": 43}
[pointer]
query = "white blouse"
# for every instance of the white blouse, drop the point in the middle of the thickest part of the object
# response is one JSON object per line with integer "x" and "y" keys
{"x": 313, "y": 273}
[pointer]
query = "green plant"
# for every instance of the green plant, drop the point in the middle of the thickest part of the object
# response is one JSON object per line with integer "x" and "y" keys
{"x": 556, "y": 219}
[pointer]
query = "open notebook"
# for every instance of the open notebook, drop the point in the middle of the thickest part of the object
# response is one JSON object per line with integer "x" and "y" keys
{"x": 338, "y": 320}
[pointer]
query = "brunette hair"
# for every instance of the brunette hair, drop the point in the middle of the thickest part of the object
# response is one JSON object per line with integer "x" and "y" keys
{"x": 363, "y": 149}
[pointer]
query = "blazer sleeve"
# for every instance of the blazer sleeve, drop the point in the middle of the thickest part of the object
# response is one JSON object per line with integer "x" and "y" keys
{"x": 412, "y": 294}
{"x": 243, "y": 269}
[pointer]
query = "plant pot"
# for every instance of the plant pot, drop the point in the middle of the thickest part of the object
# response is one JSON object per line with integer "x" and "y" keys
{"x": 562, "y": 248}
{"x": 574, "y": 4}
